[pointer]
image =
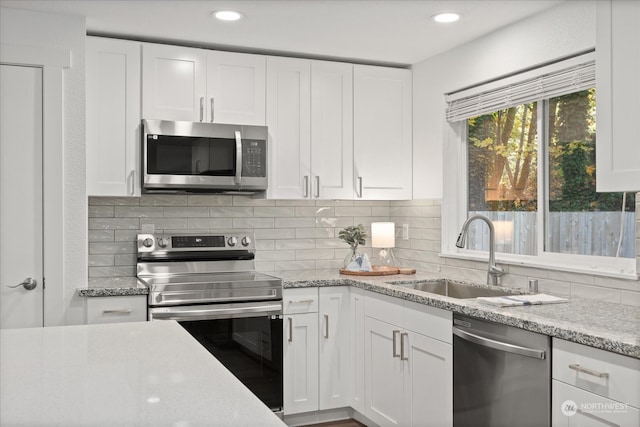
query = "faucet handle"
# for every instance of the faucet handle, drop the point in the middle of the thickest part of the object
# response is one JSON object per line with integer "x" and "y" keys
{"x": 496, "y": 271}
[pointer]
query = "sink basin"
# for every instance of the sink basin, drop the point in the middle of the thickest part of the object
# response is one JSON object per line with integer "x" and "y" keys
{"x": 456, "y": 290}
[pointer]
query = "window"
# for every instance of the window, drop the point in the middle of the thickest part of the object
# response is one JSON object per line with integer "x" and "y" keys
{"x": 528, "y": 164}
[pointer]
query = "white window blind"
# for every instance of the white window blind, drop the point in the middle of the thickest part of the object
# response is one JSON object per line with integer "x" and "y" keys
{"x": 558, "y": 79}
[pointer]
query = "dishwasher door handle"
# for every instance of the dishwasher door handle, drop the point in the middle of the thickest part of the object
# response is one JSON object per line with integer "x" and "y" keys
{"x": 498, "y": 345}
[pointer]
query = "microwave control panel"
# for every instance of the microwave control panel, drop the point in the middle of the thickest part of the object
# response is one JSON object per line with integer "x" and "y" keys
{"x": 254, "y": 158}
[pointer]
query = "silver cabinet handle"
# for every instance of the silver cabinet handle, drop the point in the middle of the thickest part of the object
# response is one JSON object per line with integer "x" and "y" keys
{"x": 317, "y": 187}
{"x": 326, "y": 326}
{"x": 306, "y": 186}
{"x": 290, "y": 329}
{"x": 122, "y": 311}
{"x": 238, "y": 176}
{"x": 402, "y": 337}
{"x": 202, "y": 108}
{"x": 212, "y": 114}
{"x": 28, "y": 283}
{"x": 395, "y": 334}
{"x": 587, "y": 371}
{"x": 360, "y": 187}
{"x": 132, "y": 177}
{"x": 301, "y": 301}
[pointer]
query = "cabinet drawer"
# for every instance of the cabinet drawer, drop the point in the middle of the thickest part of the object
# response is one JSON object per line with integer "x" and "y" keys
{"x": 303, "y": 300}
{"x": 117, "y": 309}
{"x": 382, "y": 307}
{"x": 430, "y": 321}
{"x": 574, "y": 407}
{"x": 598, "y": 371}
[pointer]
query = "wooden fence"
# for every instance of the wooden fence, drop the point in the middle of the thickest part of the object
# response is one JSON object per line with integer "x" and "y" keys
{"x": 583, "y": 233}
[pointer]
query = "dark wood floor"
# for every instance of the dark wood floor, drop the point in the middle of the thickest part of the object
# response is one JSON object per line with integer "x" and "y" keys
{"x": 341, "y": 423}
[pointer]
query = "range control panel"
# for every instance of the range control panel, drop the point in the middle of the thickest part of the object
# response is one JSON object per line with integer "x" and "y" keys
{"x": 148, "y": 243}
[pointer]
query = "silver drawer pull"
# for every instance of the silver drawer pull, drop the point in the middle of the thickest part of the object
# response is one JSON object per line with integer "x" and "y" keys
{"x": 395, "y": 340}
{"x": 122, "y": 311}
{"x": 579, "y": 368}
{"x": 302, "y": 301}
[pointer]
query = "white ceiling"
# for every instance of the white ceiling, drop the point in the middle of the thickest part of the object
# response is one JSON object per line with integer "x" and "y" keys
{"x": 369, "y": 31}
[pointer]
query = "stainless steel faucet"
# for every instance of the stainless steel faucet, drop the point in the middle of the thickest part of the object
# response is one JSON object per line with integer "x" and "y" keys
{"x": 494, "y": 271}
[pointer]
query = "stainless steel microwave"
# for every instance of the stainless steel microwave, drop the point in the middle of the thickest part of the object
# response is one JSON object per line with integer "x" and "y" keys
{"x": 193, "y": 157}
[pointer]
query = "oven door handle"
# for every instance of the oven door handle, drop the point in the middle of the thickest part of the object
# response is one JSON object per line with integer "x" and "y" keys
{"x": 206, "y": 313}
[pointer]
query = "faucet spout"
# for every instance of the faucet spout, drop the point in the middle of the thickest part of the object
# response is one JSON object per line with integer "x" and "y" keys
{"x": 493, "y": 271}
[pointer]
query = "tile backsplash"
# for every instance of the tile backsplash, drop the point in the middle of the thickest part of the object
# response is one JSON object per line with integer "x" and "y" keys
{"x": 302, "y": 235}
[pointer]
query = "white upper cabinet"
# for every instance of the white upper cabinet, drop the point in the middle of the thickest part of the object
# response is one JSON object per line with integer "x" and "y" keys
{"x": 331, "y": 130}
{"x": 113, "y": 117}
{"x": 289, "y": 123}
{"x": 618, "y": 92}
{"x": 235, "y": 88}
{"x": 382, "y": 133}
{"x": 174, "y": 83}
{"x": 310, "y": 120}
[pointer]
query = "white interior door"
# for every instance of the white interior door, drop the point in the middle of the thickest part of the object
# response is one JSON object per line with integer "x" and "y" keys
{"x": 21, "y": 256}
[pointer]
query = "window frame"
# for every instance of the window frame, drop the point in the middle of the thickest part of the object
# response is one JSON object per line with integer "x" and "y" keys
{"x": 455, "y": 209}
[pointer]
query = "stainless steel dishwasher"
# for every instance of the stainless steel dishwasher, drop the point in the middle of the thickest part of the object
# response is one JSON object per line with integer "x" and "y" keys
{"x": 501, "y": 375}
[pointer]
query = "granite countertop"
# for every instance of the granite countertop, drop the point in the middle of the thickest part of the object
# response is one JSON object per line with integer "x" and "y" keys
{"x": 608, "y": 326}
{"x": 113, "y": 286}
{"x": 134, "y": 374}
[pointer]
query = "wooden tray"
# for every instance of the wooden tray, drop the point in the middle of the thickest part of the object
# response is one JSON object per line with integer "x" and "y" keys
{"x": 376, "y": 271}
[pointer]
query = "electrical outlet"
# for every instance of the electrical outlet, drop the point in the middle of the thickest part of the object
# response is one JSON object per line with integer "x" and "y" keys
{"x": 405, "y": 231}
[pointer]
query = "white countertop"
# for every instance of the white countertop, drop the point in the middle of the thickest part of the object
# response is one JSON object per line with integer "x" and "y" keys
{"x": 126, "y": 374}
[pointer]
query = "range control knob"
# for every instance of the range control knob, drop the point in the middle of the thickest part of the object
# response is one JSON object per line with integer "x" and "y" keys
{"x": 163, "y": 242}
{"x": 232, "y": 241}
{"x": 246, "y": 241}
{"x": 148, "y": 242}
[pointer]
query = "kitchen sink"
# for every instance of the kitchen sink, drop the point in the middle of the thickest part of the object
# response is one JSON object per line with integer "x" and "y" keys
{"x": 455, "y": 289}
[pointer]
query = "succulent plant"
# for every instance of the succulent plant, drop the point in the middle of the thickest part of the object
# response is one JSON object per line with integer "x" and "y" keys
{"x": 354, "y": 235}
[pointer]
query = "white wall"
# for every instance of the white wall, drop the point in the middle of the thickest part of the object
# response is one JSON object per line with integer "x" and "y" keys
{"x": 44, "y": 30}
{"x": 555, "y": 33}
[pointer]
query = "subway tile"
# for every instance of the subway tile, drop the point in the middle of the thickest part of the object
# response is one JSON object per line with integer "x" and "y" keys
{"x": 330, "y": 243}
{"x": 209, "y": 200}
{"x": 295, "y": 203}
{"x": 295, "y": 244}
{"x": 610, "y": 282}
{"x": 163, "y": 200}
{"x": 367, "y": 220}
{"x": 248, "y": 201}
{"x": 209, "y": 223}
{"x": 253, "y": 222}
{"x": 125, "y": 259}
{"x": 167, "y": 223}
{"x": 265, "y": 266}
{"x": 127, "y": 271}
{"x": 553, "y": 287}
{"x": 97, "y": 211}
{"x": 317, "y": 232}
{"x": 138, "y": 212}
{"x": 101, "y": 248}
{"x": 275, "y": 255}
{"x": 265, "y": 245}
{"x": 430, "y": 211}
{"x": 114, "y": 201}
{"x": 564, "y": 276}
{"x": 126, "y": 235}
{"x": 275, "y": 233}
{"x": 272, "y": 212}
{"x": 593, "y": 292}
{"x": 352, "y": 211}
{"x": 101, "y": 235}
{"x": 229, "y": 211}
{"x": 114, "y": 223}
{"x": 342, "y": 222}
{"x": 186, "y": 212}
{"x": 381, "y": 211}
{"x": 314, "y": 254}
{"x": 334, "y": 202}
{"x": 315, "y": 211}
{"x": 371, "y": 203}
{"x": 324, "y": 264}
{"x": 294, "y": 265}
{"x": 294, "y": 222}
{"x": 100, "y": 260}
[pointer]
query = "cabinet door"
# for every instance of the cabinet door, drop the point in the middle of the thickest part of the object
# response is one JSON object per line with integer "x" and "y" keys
{"x": 428, "y": 380}
{"x": 383, "y": 374}
{"x": 334, "y": 348}
{"x": 113, "y": 117}
{"x": 300, "y": 363}
{"x": 356, "y": 345}
{"x": 173, "y": 83}
{"x": 382, "y": 132}
{"x": 236, "y": 88}
{"x": 618, "y": 92}
{"x": 332, "y": 130}
{"x": 574, "y": 407}
{"x": 289, "y": 122}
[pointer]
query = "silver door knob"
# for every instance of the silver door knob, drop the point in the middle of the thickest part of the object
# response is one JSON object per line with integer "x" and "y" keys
{"x": 28, "y": 283}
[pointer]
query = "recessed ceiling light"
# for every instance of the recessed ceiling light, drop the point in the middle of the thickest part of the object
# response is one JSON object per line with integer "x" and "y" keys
{"x": 227, "y": 15}
{"x": 446, "y": 17}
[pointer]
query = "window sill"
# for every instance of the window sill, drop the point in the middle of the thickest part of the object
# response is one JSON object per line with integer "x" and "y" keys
{"x": 565, "y": 267}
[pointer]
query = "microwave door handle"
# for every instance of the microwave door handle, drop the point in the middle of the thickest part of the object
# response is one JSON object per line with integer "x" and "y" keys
{"x": 238, "y": 176}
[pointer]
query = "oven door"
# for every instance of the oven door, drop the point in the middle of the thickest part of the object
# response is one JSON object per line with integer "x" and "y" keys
{"x": 246, "y": 338}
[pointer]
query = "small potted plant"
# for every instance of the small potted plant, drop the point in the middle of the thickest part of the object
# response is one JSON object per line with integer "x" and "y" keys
{"x": 354, "y": 235}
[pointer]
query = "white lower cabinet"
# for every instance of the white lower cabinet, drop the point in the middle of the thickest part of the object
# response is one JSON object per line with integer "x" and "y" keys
{"x": 408, "y": 375}
{"x": 593, "y": 387}
{"x": 117, "y": 309}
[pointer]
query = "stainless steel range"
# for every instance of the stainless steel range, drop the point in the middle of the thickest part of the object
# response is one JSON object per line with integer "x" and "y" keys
{"x": 208, "y": 284}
